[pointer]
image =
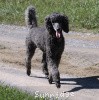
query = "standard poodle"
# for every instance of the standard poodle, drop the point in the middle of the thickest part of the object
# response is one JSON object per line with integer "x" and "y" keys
{"x": 49, "y": 40}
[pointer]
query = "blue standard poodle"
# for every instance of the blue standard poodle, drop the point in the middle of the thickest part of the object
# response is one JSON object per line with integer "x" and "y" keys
{"x": 49, "y": 40}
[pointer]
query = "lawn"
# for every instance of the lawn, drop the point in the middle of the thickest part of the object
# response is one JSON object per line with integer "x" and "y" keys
{"x": 83, "y": 14}
{"x": 10, "y": 93}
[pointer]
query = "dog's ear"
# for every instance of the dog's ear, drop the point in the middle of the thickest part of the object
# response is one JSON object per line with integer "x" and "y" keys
{"x": 48, "y": 24}
{"x": 65, "y": 23}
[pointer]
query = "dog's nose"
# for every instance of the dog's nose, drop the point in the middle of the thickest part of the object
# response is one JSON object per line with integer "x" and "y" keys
{"x": 56, "y": 26}
{"x": 59, "y": 29}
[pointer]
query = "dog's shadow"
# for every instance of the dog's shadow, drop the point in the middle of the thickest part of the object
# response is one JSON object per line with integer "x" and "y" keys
{"x": 91, "y": 82}
{"x": 82, "y": 83}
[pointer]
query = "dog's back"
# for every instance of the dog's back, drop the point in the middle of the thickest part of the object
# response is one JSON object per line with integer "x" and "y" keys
{"x": 37, "y": 35}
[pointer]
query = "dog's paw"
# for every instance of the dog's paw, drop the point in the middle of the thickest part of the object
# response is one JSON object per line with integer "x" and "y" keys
{"x": 28, "y": 72}
{"x": 58, "y": 85}
{"x": 50, "y": 80}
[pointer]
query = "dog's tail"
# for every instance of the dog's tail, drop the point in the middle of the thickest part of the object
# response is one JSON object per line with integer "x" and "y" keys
{"x": 30, "y": 17}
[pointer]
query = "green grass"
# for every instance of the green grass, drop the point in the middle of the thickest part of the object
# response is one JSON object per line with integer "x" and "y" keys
{"x": 8, "y": 93}
{"x": 81, "y": 13}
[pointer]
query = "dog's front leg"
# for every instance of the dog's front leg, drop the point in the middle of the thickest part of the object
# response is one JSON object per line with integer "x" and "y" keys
{"x": 54, "y": 74}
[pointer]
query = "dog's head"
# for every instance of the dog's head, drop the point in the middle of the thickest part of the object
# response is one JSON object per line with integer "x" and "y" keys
{"x": 56, "y": 23}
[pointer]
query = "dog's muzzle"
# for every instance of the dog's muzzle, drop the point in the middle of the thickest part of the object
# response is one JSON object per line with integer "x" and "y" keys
{"x": 57, "y": 29}
{"x": 58, "y": 33}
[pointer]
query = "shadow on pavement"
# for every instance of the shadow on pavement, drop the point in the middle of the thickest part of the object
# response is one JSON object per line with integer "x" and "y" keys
{"x": 82, "y": 83}
{"x": 91, "y": 82}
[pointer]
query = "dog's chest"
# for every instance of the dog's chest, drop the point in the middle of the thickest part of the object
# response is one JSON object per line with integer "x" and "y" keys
{"x": 56, "y": 44}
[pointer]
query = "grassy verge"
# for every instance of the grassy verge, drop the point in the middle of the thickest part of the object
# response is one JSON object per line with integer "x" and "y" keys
{"x": 81, "y": 13}
{"x": 8, "y": 93}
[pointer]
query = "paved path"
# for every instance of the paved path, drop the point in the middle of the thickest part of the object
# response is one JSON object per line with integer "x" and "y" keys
{"x": 73, "y": 88}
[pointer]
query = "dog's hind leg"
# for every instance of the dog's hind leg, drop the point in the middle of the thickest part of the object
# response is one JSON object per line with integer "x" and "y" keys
{"x": 30, "y": 50}
{"x": 44, "y": 66}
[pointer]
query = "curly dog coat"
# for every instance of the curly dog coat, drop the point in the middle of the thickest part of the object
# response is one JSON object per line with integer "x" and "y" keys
{"x": 49, "y": 40}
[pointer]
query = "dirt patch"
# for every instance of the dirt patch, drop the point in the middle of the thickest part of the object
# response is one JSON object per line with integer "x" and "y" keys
{"x": 71, "y": 63}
